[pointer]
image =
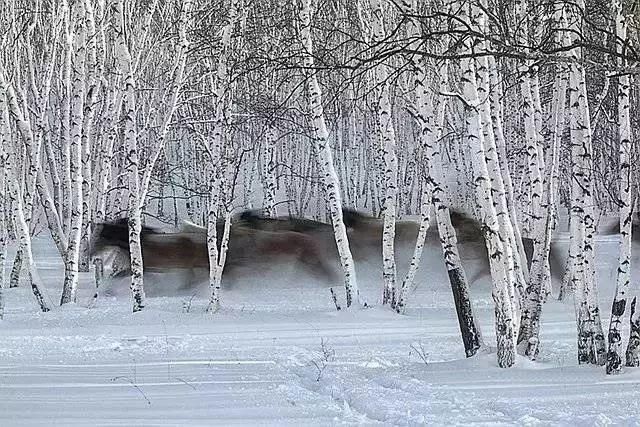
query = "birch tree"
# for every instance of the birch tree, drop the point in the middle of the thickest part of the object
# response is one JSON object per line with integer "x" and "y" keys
{"x": 72, "y": 257}
{"x": 218, "y": 85}
{"x": 15, "y": 193}
{"x": 429, "y": 112}
{"x": 125, "y": 65}
{"x": 38, "y": 81}
{"x": 320, "y": 136}
{"x": 591, "y": 345}
{"x": 93, "y": 73}
{"x": 506, "y": 227}
{"x": 387, "y": 134}
{"x": 539, "y": 274}
{"x": 623, "y": 277}
{"x": 269, "y": 171}
{"x": 138, "y": 177}
{"x": 503, "y": 288}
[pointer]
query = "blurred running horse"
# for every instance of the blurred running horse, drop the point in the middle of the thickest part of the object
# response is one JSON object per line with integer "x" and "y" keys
{"x": 365, "y": 237}
{"x": 186, "y": 249}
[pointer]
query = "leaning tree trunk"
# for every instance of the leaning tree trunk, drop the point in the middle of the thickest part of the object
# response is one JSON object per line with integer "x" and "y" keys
{"x": 15, "y": 197}
{"x": 24, "y": 237}
{"x": 325, "y": 157}
{"x": 400, "y": 302}
{"x": 469, "y": 328}
{"x": 431, "y": 122}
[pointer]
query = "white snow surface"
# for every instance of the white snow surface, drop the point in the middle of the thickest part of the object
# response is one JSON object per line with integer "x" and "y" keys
{"x": 280, "y": 354}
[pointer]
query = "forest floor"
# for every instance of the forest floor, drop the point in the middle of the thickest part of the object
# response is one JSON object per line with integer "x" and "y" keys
{"x": 280, "y": 354}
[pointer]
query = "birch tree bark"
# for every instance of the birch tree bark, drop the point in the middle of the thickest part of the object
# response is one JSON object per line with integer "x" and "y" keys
{"x": 15, "y": 196}
{"x": 34, "y": 32}
{"x": 72, "y": 257}
{"x": 390, "y": 160}
{"x": 503, "y": 288}
{"x": 535, "y": 155}
{"x": 218, "y": 82}
{"x": 325, "y": 157}
{"x": 528, "y": 338}
{"x": 125, "y": 65}
{"x": 591, "y": 342}
{"x": 632, "y": 355}
{"x": 400, "y": 302}
{"x": 623, "y": 277}
{"x": 91, "y": 85}
{"x": 269, "y": 170}
{"x": 496, "y": 109}
{"x": 506, "y": 227}
{"x": 431, "y": 121}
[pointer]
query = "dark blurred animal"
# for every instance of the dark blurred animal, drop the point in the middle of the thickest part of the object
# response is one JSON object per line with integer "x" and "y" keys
{"x": 253, "y": 219}
{"x": 614, "y": 228}
{"x": 187, "y": 249}
{"x": 366, "y": 231}
{"x": 160, "y": 251}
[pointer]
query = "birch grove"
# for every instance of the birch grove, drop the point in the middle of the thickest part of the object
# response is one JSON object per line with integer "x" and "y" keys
{"x": 520, "y": 116}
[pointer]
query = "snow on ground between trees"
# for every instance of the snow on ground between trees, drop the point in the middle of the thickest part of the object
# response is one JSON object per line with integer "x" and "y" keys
{"x": 280, "y": 354}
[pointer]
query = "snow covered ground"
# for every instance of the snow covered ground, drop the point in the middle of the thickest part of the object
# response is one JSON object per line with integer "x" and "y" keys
{"x": 280, "y": 354}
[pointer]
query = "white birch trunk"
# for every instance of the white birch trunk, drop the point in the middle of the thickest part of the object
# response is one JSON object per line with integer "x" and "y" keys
{"x": 591, "y": 345}
{"x": 268, "y": 171}
{"x": 15, "y": 196}
{"x": 532, "y": 120}
{"x": 623, "y": 278}
{"x": 87, "y": 129}
{"x": 217, "y": 168}
{"x": 124, "y": 60}
{"x": 495, "y": 96}
{"x": 530, "y": 330}
{"x": 72, "y": 256}
{"x": 217, "y": 256}
{"x": 390, "y": 161}
{"x": 540, "y": 280}
{"x": 325, "y": 157}
{"x": 633, "y": 347}
{"x": 505, "y": 313}
{"x": 431, "y": 121}
{"x": 65, "y": 127}
{"x": 515, "y": 275}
